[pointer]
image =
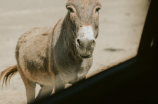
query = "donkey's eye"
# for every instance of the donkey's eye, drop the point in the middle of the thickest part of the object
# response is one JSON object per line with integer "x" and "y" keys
{"x": 97, "y": 10}
{"x": 70, "y": 10}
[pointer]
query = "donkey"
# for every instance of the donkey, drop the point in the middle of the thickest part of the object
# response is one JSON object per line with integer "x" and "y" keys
{"x": 55, "y": 56}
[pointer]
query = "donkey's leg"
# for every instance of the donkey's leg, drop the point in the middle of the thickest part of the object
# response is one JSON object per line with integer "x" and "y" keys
{"x": 29, "y": 86}
{"x": 59, "y": 85}
{"x": 44, "y": 92}
{"x": 30, "y": 91}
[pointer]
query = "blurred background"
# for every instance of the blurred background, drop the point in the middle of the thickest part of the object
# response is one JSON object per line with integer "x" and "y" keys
{"x": 121, "y": 25}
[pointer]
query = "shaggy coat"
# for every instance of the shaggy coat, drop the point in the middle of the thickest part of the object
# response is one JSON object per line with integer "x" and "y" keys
{"x": 56, "y": 56}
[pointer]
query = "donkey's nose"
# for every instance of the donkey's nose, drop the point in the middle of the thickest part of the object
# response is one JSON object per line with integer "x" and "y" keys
{"x": 79, "y": 42}
{"x": 85, "y": 43}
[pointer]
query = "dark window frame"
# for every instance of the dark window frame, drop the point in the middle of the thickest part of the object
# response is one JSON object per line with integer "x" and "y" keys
{"x": 106, "y": 83}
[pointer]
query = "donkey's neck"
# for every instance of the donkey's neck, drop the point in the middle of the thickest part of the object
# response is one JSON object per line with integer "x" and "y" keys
{"x": 65, "y": 50}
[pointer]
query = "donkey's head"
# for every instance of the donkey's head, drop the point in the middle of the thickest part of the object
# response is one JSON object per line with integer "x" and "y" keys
{"x": 83, "y": 15}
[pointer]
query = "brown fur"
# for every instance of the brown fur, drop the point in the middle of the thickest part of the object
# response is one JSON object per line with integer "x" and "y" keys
{"x": 7, "y": 74}
{"x": 50, "y": 56}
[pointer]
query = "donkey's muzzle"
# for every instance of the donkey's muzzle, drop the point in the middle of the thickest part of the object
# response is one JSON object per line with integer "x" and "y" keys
{"x": 85, "y": 41}
{"x": 86, "y": 47}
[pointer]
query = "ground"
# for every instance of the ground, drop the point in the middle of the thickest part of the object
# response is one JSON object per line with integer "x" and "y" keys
{"x": 121, "y": 25}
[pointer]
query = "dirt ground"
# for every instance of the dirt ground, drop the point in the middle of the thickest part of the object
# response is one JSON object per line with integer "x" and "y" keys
{"x": 121, "y": 24}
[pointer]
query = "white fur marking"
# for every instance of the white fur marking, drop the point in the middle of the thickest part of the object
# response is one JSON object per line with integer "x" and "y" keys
{"x": 86, "y": 32}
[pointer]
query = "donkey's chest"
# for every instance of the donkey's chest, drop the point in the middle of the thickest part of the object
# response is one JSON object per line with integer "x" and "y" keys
{"x": 76, "y": 72}
{"x": 68, "y": 74}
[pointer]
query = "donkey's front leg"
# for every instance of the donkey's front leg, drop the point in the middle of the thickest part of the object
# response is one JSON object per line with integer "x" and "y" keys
{"x": 59, "y": 85}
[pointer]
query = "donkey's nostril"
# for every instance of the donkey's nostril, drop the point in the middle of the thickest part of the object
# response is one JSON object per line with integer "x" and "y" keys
{"x": 92, "y": 41}
{"x": 78, "y": 40}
